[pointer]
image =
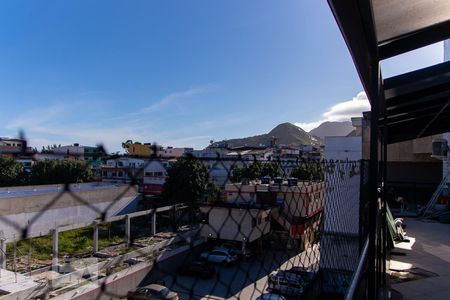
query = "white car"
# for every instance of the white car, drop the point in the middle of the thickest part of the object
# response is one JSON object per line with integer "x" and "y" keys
{"x": 219, "y": 256}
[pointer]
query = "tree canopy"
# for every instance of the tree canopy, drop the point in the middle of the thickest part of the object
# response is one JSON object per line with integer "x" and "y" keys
{"x": 312, "y": 171}
{"x": 187, "y": 181}
{"x": 256, "y": 170}
{"x": 11, "y": 172}
{"x": 65, "y": 171}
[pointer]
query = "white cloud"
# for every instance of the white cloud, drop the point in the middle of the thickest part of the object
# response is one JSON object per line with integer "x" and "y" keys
{"x": 342, "y": 111}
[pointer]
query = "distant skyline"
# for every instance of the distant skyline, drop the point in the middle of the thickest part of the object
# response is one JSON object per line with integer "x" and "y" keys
{"x": 180, "y": 73}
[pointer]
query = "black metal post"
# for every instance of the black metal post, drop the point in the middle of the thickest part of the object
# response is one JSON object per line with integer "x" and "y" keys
{"x": 384, "y": 198}
{"x": 373, "y": 198}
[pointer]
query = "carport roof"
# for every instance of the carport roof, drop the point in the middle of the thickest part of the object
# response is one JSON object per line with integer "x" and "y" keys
{"x": 414, "y": 104}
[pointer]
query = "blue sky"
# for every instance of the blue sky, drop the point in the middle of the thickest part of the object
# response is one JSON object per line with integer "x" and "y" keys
{"x": 176, "y": 72}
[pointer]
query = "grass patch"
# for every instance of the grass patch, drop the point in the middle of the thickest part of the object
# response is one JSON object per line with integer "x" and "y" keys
{"x": 75, "y": 242}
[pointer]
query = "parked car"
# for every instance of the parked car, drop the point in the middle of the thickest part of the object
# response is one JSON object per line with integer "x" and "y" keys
{"x": 197, "y": 268}
{"x": 307, "y": 275}
{"x": 152, "y": 292}
{"x": 220, "y": 256}
{"x": 285, "y": 283}
{"x": 270, "y": 296}
{"x": 234, "y": 249}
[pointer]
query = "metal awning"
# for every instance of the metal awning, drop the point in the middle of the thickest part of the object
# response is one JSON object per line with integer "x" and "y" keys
{"x": 414, "y": 104}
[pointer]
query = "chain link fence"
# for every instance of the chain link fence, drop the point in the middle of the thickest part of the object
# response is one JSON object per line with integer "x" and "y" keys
{"x": 216, "y": 227}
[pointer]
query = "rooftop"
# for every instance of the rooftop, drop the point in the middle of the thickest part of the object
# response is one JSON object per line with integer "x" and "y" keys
{"x": 427, "y": 260}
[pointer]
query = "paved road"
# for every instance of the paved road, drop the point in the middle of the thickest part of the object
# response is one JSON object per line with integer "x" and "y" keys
{"x": 246, "y": 280}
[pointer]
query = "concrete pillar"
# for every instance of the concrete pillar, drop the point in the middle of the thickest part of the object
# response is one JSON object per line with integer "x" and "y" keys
{"x": 2, "y": 252}
{"x": 95, "y": 237}
{"x": 55, "y": 234}
{"x": 127, "y": 230}
{"x": 154, "y": 223}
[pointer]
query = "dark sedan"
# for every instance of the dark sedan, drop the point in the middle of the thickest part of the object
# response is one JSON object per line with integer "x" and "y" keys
{"x": 197, "y": 268}
{"x": 152, "y": 292}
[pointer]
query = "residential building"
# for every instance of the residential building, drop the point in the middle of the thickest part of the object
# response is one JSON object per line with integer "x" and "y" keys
{"x": 93, "y": 155}
{"x": 345, "y": 148}
{"x": 171, "y": 152}
{"x": 70, "y": 152}
{"x": 140, "y": 150}
{"x": 14, "y": 147}
{"x": 295, "y": 205}
{"x": 47, "y": 156}
{"x": 123, "y": 169}
{"x": 155, "y": 172}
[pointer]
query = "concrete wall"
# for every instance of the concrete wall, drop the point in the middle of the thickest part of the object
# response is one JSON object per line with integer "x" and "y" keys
{"x": 42, "y": 211}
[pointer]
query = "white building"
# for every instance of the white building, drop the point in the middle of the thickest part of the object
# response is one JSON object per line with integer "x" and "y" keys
{"x": 345, "y": 148}
{"x": 235, "y": 224}
{"x": 339, "y": 241}
{"x": 122, "y": 169}
{"x": 155, "y": 172}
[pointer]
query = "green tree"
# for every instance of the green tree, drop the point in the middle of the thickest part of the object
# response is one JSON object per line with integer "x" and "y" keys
{"x": 270, "y": 169}
{"x": 213, "y": 193}
{"x": 312, "y": 171}
{"x": 65, "y": 171}
{"x": 187, "y": 181}
{"x": 256, "y": 170}
{"x": 11, "y": 172}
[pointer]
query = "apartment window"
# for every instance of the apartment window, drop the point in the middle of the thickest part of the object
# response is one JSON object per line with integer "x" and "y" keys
{"x": 158, "y": 174}
{"x": 105, "y": 173}
{"x": 150, "y": 174}
{"x": 120, "y": 164}
{"x": 113, "y": 174}
{"x": 120, "y": 174}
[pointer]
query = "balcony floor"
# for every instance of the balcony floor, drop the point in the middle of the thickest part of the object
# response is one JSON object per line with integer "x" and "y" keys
{"x": 428, "y": 250}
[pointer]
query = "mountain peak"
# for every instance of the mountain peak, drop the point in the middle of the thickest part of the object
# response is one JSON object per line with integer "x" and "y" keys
{"x": 284, "y": 133}
{"x": 332, "y": 129}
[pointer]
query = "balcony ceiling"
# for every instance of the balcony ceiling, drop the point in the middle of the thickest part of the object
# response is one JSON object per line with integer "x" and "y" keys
{"x": 414, "y": 104}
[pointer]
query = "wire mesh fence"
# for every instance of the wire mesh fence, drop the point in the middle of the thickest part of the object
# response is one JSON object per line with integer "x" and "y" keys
{"x": 192, "y": 227}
